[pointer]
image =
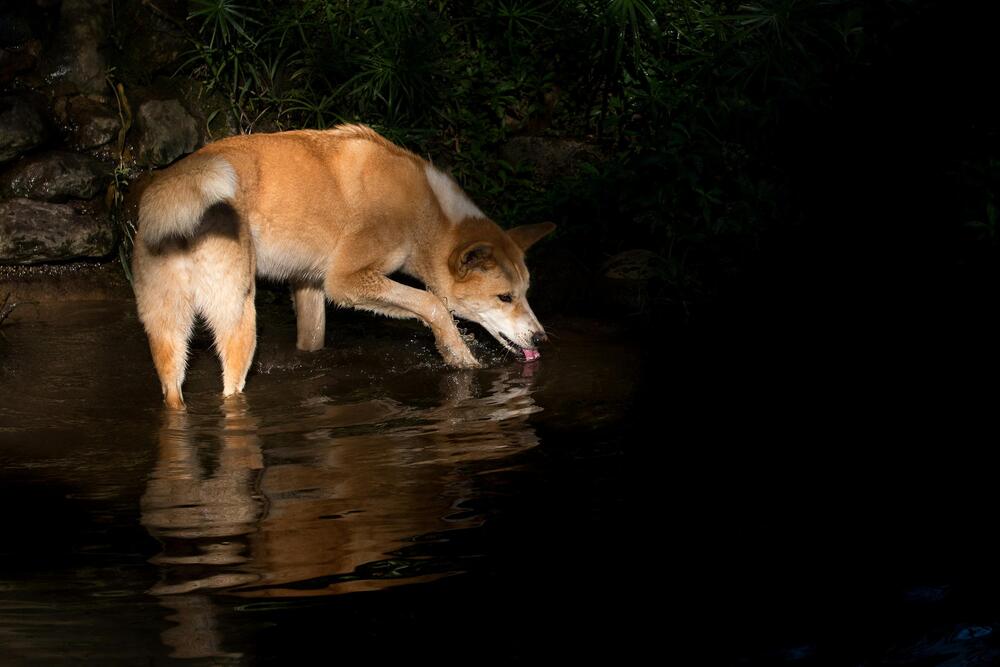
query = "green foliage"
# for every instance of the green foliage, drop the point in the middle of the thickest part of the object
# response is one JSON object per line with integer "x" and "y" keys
{"x": 680, "y": 97}
{"x": 223, "y": 21}
{"x": 124, "y": 172}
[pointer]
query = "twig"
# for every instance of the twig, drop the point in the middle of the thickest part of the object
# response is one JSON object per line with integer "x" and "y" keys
{"x": 6, "y": 308}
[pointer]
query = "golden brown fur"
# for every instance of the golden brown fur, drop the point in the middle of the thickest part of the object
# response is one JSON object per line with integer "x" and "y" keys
{"x": 333, "y": 213}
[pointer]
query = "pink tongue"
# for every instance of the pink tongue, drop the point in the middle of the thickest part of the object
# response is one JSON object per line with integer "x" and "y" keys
{"x": 531, "y": 355}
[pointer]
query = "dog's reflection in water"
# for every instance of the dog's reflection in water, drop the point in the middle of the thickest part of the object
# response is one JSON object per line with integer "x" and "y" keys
{"x": 202, "y": 514}
{"x": 347, "y": 487}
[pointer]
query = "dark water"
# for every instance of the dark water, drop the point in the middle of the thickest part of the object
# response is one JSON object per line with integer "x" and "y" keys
{"x": 359, "y": 501}
{"x": 799, "y": 499}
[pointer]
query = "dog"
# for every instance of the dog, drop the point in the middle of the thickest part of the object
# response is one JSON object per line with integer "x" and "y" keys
{"x": 333, "y": 213}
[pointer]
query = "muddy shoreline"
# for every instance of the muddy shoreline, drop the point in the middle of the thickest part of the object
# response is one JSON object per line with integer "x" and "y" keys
{"x": 71, "y": 281}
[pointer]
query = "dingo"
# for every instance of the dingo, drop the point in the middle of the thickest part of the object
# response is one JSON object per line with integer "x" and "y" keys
{"x": 333, "y": 213}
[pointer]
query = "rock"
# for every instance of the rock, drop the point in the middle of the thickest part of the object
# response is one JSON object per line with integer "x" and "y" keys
{"x": 549, "y": 158}
{"x": 210, "y": 109}
{"x": 635, "y": 264}
{"x": 634, "y": 281}
{"x": 15, "y": 60}
{"x": 91, "y": 122}
{"x": 155, "y": 40}
{"x": 15, "y": 26}
{"x": 75, "y": 63}
{"x": 21, "y": 127}
{"x": 166, "y": 131}
{"x": 55, "y": 176}
{"x": 33, "y": 231}
{"x": 19, "y": 47}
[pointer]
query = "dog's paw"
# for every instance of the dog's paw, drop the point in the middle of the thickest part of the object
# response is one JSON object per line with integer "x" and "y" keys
{"x": 461, "y": 358}
{"x": 470, "y": 363}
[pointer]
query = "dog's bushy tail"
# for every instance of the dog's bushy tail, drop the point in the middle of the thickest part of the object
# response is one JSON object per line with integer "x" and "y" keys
{"x": 172, "y": 206}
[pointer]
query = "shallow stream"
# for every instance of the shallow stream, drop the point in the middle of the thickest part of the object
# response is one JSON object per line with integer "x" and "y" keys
{"x": 363, "y": 496}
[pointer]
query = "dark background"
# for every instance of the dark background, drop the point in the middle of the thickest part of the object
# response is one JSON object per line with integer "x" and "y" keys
{"x": 830, "y": 165}
{"x": 813, "y": 189}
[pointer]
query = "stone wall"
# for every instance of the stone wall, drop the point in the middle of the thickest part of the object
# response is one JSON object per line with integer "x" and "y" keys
{"x": 86, "y": 106}
{"x": 89, "y": 106}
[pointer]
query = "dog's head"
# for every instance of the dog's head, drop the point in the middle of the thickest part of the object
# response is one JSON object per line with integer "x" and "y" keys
{"x": 490, "y": 283}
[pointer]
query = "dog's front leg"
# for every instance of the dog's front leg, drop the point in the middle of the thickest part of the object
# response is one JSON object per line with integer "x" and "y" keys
{"x": 310, "y": 316}
{"x": 373, "y": 291}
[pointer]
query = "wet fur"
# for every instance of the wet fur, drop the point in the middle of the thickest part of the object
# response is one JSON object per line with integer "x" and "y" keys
{"x": 333, "y": 213}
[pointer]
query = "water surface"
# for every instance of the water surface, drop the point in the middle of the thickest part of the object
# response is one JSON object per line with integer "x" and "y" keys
{"x": 801, "y": 498}
{"x": 363, "y": 495}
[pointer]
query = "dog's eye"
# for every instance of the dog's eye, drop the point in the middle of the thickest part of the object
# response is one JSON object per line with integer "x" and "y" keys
{"x": 506, "y": 298}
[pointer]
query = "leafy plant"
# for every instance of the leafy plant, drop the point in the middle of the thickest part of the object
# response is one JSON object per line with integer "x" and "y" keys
{"x": 122, "y": 175}
{"x": 682, "y": 100}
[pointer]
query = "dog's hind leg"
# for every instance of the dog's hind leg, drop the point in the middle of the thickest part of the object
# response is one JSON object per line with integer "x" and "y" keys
{"x": 310, "y": 316}
{"x": 163, "y": 300}
{"x": 167, "y": 315}
{"x": 235, "y": 342}
{"x": 224, "y": 293}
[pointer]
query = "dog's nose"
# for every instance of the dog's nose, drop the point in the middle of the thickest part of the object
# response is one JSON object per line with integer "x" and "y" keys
{"x": 538, "y": 338}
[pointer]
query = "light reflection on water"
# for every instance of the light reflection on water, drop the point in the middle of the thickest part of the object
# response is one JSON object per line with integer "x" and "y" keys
{"x": 350, "y": 485}
{"x": 351, "y": 496}
{"x": 362, "y": 467}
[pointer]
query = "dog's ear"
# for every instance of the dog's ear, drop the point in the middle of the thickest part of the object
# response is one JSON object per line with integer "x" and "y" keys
{"x": 477, "y": 255}
{"x": 526, "y": 236}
